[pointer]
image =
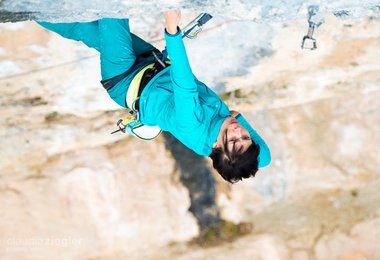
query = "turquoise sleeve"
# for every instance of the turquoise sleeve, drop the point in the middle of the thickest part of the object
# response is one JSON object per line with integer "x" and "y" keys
{"x": 264, "y": 155}
{"x": 188, "y": 111}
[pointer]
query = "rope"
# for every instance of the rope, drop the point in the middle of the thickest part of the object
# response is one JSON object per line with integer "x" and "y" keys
{"x": 48, "y": 67}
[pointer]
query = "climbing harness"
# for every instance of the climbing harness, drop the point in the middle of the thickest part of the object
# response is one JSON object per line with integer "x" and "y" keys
{"x": 308, "y": 42}
{"x": 132, "y": 124}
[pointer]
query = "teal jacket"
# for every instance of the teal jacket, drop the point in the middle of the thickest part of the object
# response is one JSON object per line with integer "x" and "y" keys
{"x": 179, "y": 103}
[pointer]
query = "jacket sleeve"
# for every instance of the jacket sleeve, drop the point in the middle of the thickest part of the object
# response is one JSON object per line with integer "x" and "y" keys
{"x": 264, "y": 155}
{"x": 188, "y": 111}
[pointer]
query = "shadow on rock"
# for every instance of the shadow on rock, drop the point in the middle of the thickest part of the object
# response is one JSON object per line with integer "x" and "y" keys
{"x": 197, "y": 178}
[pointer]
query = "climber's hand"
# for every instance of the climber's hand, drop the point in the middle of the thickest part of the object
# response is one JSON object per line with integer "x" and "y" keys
{"x": 172, "y": 18}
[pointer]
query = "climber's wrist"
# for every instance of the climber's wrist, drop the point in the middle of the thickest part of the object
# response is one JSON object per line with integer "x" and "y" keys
{"x": 172, "y": 30}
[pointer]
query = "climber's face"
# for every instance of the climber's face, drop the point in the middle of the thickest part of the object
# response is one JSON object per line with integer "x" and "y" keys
{"x": 233, "y": 137}
{"x": 237, "y": 137}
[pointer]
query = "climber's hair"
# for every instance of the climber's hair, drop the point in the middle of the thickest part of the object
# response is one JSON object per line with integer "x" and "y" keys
{"x": 234, "y": 165}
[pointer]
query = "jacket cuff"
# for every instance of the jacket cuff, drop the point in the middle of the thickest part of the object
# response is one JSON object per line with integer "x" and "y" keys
{"x": 173, "y": 35}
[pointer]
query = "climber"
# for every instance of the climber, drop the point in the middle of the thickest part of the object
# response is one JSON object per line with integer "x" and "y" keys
{"x": 170, "y": 96}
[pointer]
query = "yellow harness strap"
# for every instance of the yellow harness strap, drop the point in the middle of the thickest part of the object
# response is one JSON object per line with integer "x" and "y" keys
{"x": 133, "y": 89}
{"x": 132, "y": 123}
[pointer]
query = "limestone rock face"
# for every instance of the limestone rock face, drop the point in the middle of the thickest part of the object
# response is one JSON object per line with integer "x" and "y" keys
{"x": 277, "y": 10}
{"x": 70, "y": 190}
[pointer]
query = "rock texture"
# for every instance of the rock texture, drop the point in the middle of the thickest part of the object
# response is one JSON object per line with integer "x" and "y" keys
{"x": 276, "y": 10}
{"x": 69, "y": 190}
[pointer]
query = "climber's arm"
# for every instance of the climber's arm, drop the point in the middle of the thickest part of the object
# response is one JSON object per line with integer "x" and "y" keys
{"x": 187, "y": 108}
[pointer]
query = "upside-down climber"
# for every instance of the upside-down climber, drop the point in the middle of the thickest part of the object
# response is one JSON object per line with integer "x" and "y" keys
{"x": 165, "y": 93}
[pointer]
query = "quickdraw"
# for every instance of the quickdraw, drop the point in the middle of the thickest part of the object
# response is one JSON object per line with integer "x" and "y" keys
{"x": 308, "y": 42}
{"x": 192, "y": 29}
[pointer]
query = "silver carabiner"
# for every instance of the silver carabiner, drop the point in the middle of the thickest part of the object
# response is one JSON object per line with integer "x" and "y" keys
{"x": 134, "y": 111}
